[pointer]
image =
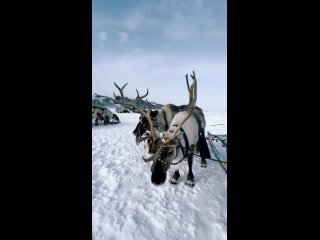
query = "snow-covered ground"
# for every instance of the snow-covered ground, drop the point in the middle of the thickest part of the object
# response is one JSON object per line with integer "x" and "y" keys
{"x": 126, "y": 205}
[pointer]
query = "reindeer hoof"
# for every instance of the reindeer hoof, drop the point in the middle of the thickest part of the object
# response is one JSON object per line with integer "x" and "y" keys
{"x": 173, "y": 181}
{"x": 189, "y": 183}
{"x": 204, "y": 165}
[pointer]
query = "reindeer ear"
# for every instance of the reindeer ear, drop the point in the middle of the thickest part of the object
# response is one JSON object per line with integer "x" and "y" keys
{"x": 154, "y": 113}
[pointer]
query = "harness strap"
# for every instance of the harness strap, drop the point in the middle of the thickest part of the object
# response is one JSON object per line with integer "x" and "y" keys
{"x": 185, "y": 150}
{"x": 186, "y": 142}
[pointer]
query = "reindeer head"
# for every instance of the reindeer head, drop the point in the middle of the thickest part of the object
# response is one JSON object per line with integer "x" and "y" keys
{"x": 165, "y": 145}
{"x": 143, "y": 126}
{"x": 115, "y": 117}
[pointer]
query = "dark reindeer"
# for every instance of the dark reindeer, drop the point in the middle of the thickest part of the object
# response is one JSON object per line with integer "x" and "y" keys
{"x": 170, "y": 147}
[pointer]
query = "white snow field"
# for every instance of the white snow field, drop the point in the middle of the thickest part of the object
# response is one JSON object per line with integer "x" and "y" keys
{"x": 127, "y": 206}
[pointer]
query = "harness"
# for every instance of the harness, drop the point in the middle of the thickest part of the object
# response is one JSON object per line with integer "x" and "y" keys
{"x": 185, "y": 150}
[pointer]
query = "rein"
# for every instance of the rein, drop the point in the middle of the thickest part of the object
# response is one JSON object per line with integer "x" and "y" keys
{"x": 210, "y": 158}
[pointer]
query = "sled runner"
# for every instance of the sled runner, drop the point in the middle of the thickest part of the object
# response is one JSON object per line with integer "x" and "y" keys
{"x": 113, "y": 121}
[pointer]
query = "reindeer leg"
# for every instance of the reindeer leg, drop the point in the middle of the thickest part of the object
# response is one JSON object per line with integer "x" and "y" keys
{"x": 106, "y": 120}
{"x": 96, "y": 122}
{"x": 174, "y": 179}
{"x": 203, "y": 163}
{"x": 203, "y": 148}
{"x": 190, "y": 176}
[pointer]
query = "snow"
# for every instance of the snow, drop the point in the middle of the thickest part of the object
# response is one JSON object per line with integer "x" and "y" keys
{"x": 126, "y": 205}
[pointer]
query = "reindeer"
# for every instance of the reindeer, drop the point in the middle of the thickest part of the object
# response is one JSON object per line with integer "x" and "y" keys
{"x": 162, "y": 119}
{"x": 172, "y": 146}
{"x": 103, "y": 114}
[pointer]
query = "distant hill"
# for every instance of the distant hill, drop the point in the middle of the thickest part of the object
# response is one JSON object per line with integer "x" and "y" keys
{"x": 105, "y": 101}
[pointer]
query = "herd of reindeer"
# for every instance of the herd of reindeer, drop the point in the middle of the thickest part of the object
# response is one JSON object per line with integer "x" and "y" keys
{"x": 169, "y": 135}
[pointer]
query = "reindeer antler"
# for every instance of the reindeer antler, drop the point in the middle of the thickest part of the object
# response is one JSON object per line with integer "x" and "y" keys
{"x": 191, "y": 105}
{"x": 134, "y": 106}
{"x": 120, "y": 90}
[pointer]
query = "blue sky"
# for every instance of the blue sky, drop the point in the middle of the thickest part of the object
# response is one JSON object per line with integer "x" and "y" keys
{"x": 154, "y": 43}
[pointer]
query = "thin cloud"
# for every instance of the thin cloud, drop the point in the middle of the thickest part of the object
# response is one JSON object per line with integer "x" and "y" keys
{"x": 102, "y": 36}
{"x": 153, "y": 44}
{"x": 123, "y": 37}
